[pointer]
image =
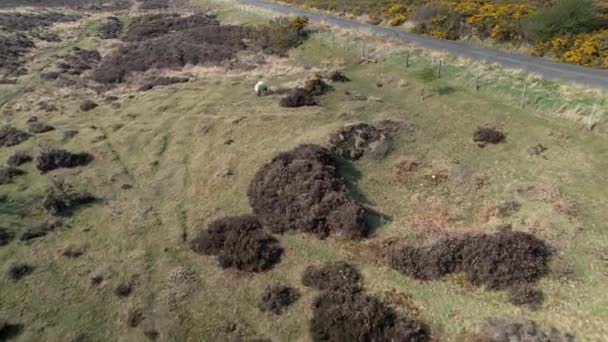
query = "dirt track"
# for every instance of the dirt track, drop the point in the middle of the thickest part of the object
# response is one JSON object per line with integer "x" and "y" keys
{"x": 546, "y": 68}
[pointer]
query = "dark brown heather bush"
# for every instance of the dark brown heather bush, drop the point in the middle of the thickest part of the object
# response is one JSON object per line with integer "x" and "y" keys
{"x": 300, "y": 190}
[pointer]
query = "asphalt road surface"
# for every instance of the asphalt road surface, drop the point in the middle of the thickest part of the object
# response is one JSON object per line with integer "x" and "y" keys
{"x": 543, "y": 67}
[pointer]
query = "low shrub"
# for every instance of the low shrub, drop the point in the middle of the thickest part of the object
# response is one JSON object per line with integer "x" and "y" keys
{"x": 280, "y": 35}
{"x": 19, "y": 270}
{"x": 277, "y": 299}
{"x": 563, "y": 18}
{"x": 300, "y": 190}
{"x": 11, "y": 136}
{"x": 332, "y": 276}
{"x": 486, "y": 135}
{"x": 62, "y": 199}
{"x": 239, "y": 242}
{"x": 51, "y": 159}
{"x": 19, "y": 158}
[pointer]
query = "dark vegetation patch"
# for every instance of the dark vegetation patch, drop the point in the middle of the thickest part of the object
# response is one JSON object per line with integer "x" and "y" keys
{"x": 239, "y": 242}
{"x": 332, "y": 276}
{"x": 12, "y": 22}
{"x": 51, "y": 159}
{"x": 39, "y": 231}
{"x": 506, "y": 330}
{"x": 134, "y": 317}
{"x": 163, "y": 81}
{"x": 497, "y": 261}
{"x": 280, "y": 35}
{"x": 88, "y": 105}
{"x": 353, "y": 141}
{"x": 11, "y": 136}
{"x": 429, "y": 262}
{"x": 298, "y": 98}
{"x": 9, "y": 173}
{"x": 153, "y": 4}
{"x": 13, "y": 49}
{"x": 485, "y": 135}
{"x": 62, "y": 199}
{"x": 76, "y": 4}
{"x": 156, "y": 25}
{"x": 344, "y": 312}
{"x": 306, "y": 95}
{"x": 197, "y": 46}
{"x": 300, "y": 190}
{"x": 9, "y": 330}
{"x": 110, "y": 28}
{"x": 39, "y": 127}
{"x": 19, "y": 270}
{"x": 73, "y": 250}
{"x": 6, "y": 236}
{"x": 277, "y": 299}
{"x": 526, "y": 295}
{"x": 78, "y": 60}
{"x": 123, "y": 289}
{"x": 338, "y": 76}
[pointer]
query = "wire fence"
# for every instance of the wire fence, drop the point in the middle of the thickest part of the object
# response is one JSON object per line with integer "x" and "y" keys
{"x": 587, "y": 107}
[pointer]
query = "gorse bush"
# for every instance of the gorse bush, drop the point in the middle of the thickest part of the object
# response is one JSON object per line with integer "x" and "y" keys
{"x": 564, "y": 17}
{"x": 281, "y": 34}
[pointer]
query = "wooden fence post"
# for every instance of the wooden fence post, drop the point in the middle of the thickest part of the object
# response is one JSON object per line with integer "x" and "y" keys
{"x": 523, "y": 96}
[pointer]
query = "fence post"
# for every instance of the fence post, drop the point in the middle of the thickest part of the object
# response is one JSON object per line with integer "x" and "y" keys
{"x": 407, "y": 60}
{"x": 477, "y": 82}
{"x": 362, "y": 49}
{"x": 523, "y": 96}
{"x": 439, "y": 68}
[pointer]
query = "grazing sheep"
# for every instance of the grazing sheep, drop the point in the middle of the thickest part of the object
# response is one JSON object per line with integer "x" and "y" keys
{"x": 261, "y": 88}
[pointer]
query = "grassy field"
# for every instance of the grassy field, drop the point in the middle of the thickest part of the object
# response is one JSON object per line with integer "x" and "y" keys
{"x": 169, "y": 145}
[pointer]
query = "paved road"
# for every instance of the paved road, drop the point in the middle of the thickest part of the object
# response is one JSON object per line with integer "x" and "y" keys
{"x": 547, "y": 69}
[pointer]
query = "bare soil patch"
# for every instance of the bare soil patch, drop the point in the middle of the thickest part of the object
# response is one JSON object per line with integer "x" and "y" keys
{"x": 239, "y": 242}
{"x": 353, "y": 141}
{"x": 277, "y": 299}
{"x": 497, "y": 261}
{"x": 53, "y": 159}
{"x": 11, "y": 136}
{"x": 300, "y": 190}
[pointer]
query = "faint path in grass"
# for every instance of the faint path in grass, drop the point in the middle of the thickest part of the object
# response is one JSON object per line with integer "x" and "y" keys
{"x": 544, "y": 67}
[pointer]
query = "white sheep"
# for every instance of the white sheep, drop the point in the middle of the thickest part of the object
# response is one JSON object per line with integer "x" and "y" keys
{"x": 261, "y": 88}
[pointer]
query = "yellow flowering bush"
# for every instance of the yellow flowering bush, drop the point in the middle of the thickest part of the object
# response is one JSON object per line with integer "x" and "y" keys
{"x": 495, "y": 20}
{"x": 590, "y": 49}
{"x": 397, "y": 14}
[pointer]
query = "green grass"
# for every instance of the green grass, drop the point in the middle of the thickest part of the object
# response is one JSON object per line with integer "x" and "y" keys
{"x": 171, "y": 150}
